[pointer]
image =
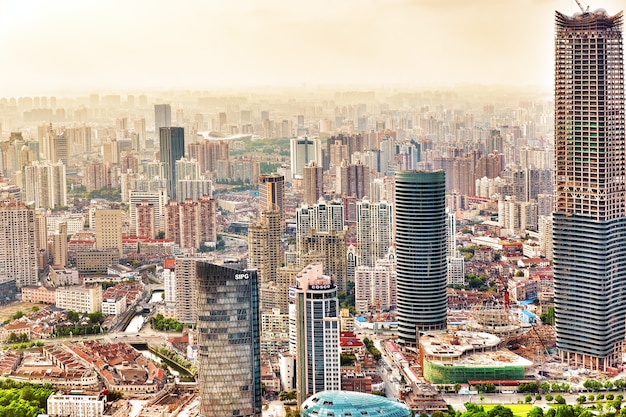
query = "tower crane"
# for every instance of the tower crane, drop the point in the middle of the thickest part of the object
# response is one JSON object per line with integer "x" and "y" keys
{"x": 582, "y": 9}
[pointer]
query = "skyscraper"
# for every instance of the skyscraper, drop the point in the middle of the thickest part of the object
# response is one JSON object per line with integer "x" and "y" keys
{"x": 162, "y": 118}
{"x": 315, "y": 307}
{"x": 303, "y": 151}
{"x": 590, "y": 190}
{"x": 18, "y": 257}
{"x": 172, "y": 148}
{"x": 313, "y": 183}
{"x": 421, "y": 252}
{"x": 229, "y": 364}
{"x": 272, "y": 192}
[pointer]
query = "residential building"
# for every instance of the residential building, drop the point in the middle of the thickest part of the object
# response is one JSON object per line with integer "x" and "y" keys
{"x": 18, "y": 255}
{"x": 86, "y": 299}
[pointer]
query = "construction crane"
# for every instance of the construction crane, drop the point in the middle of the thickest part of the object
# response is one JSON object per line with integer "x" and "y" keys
{"x": 582, "y": 9}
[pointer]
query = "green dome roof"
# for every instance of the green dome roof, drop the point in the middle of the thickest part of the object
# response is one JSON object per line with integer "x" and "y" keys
{"x": 352, "y": 404}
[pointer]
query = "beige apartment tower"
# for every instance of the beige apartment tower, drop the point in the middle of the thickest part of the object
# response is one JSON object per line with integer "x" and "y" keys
{"x": 109, "y": 229}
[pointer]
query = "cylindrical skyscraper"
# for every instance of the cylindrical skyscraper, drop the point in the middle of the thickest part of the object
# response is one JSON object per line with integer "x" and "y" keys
{"x": 421, "y": 252}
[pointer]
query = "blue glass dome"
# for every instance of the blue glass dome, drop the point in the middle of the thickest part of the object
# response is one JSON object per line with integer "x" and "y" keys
{"x": 352, "y": 404}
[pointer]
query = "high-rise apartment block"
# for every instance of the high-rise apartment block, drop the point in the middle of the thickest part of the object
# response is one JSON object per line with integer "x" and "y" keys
{"x": 313, "y": 183}
{"x": 352, "y": 179}
{"x": 373, "y": 231}
{"x": 186, "y": 289}
{"x": 229, "y": 364}
{"x": 590, "y": 190}
{"x": 45, "y": 184}
{"x": 18, "y": 256}
{"x": 315, "y": 309}
{"x": 172, "y": 148}
{"x": 421, "y": 253}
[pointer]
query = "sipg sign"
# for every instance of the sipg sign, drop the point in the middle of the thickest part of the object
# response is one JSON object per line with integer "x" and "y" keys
{"x": 242, "y": 276}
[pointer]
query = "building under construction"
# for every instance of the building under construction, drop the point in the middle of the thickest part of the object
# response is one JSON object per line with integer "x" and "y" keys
{"x": 450, "y": 357}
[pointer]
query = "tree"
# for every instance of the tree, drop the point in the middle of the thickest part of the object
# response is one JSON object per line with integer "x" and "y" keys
{"x": 545, "y": 387}
{"x": 547, "y": 317}
{"x": 535, "y": 412}
{"x": 73, "y": 316}
{"x": 347, "y": 359}
{"x": 559, "y": 399}
{"x": 581, "y": 399}
{"x": 549, "y": 397}
{"x": 457, "y": 388}
{"x": 18, "y": 315}
{"x": 34, "y": 309}
{"x": 500, "y": 411}
{"x": 528, "y": 399}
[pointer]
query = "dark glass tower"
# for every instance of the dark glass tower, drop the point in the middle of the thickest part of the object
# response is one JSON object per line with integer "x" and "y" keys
{"x": 421, "y": 253}
{"x": 229, "y": 362}
{"x": 590, "y": 193}
{"x": 172, "y": 148}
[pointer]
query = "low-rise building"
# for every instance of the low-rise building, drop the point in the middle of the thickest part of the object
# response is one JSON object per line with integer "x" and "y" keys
{"x": 80, "y": 299}
{"x": 76, "y": 405}
{"x": 39, "y": 294}
{"x": 114, "y": 306}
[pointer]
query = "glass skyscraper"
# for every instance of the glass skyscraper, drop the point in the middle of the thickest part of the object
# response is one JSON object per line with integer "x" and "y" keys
{"x": 421, "y": 248}
{"x": 590, "y": 192}
{"x": 229, "y": 364}
{"x": 172, "y": 148}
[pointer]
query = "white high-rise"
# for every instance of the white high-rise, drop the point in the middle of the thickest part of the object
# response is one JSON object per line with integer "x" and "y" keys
{"x": 374, "y": 231}
{"x": 45, "y": 184}
{"x": 315, "y": 307}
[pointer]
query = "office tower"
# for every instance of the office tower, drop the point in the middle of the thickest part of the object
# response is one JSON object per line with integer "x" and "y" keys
{"x": 589, "y": 218}
{"x": 352, "y": 179}
{"x": 303, "y": 151}
{"x": 45, "y": 184}
{"x": 272, "y": 192}
{"x": 313, "y": 183}
{"x": 421, "y": 253}
{"x": 108, "y": 229}
{"x": 172, "y": 148}
{"x": 316, "y": 311}
{"x": 18, "y": 255}
{"x": 229, "y": 364}
{"x": 373, "y": 231}
{"x": 145, "y": 223}
{"x": 162, "y": 118}
{"x": 59, "y": 244}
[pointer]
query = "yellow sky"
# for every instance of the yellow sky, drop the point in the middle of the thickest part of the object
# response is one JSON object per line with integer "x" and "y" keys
{"x": 49, "y": 47}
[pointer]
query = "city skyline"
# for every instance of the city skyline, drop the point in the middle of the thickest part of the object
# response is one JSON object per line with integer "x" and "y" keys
{"x": 121, "y": 46}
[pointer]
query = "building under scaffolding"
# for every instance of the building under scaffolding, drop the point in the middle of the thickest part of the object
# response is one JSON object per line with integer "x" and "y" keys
{"x": 457, "y": 357}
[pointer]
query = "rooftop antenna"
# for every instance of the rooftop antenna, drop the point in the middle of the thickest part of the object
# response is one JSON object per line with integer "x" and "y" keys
{"x": 582, "y": 9}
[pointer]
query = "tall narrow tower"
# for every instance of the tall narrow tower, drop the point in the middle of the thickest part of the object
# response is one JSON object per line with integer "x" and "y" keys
{"x": 590, "y": 192}
{"x": 172, "y": 148}
{"x": 421, "y": 253}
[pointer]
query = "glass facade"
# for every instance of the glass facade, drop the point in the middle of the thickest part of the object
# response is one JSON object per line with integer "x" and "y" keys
{"x": 421, "y": 245}
{"x": 171, "y": 148}
{"x": 229, "y": 368}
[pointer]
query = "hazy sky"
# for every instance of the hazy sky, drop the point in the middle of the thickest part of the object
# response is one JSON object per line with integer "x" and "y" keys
{"x": 51, "y": 47}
